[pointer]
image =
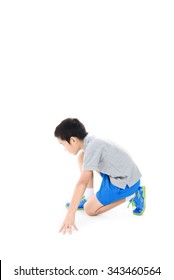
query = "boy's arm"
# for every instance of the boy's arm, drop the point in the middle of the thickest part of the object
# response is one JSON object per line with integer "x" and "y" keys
{"x": 81, "y": 185}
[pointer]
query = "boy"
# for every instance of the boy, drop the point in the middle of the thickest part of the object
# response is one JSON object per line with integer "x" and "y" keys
{"x": 120, "y": 175}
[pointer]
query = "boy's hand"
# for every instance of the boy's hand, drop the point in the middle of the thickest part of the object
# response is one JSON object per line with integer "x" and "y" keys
{"x": 68, "y": 224}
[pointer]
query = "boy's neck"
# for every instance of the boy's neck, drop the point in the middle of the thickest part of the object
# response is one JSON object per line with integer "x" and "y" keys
{"x": 81, "y": 144}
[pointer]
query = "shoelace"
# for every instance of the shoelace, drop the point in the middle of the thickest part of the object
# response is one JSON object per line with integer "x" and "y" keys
{"x": 138, "y": 195}
{"x": 131, "y": 202}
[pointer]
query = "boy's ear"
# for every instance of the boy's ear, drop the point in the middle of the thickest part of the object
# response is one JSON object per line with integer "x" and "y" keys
{"x": 72, "y": 140}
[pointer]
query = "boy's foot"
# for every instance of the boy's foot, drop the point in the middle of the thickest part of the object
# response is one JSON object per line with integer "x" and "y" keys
{"x": 81, "y": 204}
{"x": 139, "y": 201}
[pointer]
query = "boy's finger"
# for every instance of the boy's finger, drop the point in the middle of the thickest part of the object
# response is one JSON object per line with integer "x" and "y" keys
{"x": 64, "y": 228}
{"x": 61, "y": 228}
{"x": 75, "y": 227}
{"x": 67, "y": 229}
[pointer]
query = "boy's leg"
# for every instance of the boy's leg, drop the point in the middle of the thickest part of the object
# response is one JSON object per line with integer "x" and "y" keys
{"x": 93, "y": 207}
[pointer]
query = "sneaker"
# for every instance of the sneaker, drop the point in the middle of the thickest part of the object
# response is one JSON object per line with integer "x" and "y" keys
{"x": 81, "y": 204}
{"x": 139, "y": 201}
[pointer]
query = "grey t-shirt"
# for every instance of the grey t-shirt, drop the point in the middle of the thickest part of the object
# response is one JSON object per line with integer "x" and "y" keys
{"x": 110, "y": 159}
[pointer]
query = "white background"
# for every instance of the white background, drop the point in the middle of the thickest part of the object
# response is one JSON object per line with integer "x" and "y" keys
{"x": 110, "y": 64}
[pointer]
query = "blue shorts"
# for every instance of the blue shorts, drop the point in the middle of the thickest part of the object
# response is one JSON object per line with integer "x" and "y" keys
{"x": 109, "y": 193}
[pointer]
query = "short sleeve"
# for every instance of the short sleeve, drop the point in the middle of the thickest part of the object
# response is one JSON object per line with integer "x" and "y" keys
{"x": 91, "y": 158}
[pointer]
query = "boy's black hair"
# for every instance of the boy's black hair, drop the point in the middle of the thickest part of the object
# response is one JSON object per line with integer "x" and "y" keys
{"x": 70, "y": 127}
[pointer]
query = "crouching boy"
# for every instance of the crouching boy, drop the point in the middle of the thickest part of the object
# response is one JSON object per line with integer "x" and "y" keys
{"x": 120, "y": 175}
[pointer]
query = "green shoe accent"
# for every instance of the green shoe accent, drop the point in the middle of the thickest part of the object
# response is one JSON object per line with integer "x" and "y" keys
{"x": 144, "y": 195}
{"x": 131, "y": 202}
{"x": 81, "y": 205}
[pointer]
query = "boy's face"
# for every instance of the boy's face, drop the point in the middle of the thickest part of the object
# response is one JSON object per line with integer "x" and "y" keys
{"x": 73, "y": 147}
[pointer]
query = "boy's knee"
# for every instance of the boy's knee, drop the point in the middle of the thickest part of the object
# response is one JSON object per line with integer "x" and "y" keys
{"x": 88, "y": 210}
